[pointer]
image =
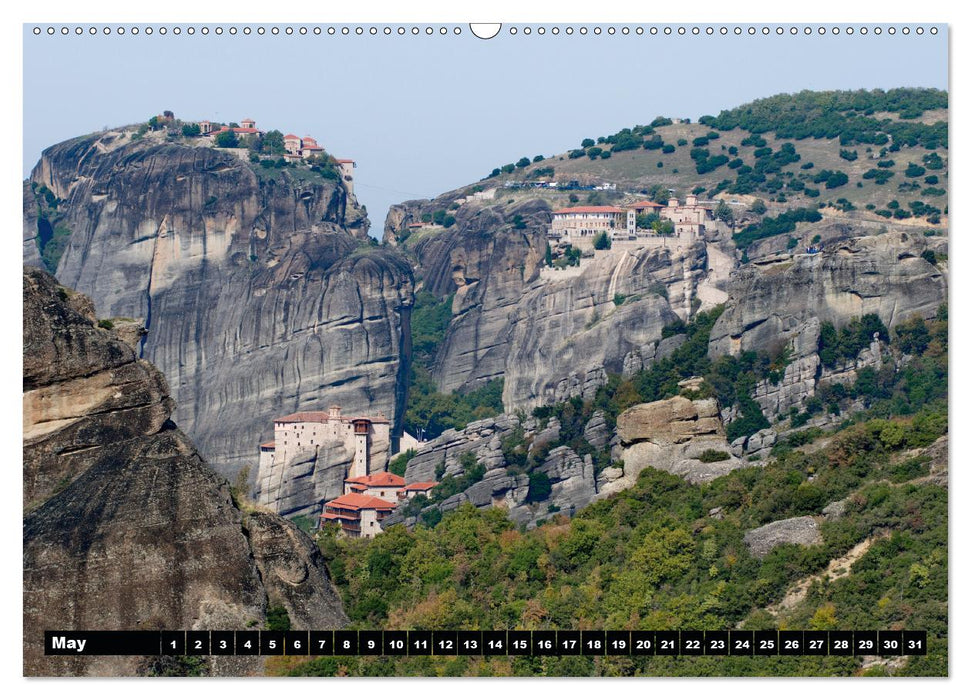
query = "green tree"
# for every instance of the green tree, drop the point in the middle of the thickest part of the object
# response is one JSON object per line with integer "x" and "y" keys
{"x": 227, "y": 139}
{"x": 522, "y": 162}
{"x": 663, "y": 227}
{"x": 644, "y": 221}
{"x": 191, "y": 130}
{"x": 758, "y": 207}
{"x": 273, "y": 143}
{"x": 602, "y": 241}
{"x": 723, "y": 212}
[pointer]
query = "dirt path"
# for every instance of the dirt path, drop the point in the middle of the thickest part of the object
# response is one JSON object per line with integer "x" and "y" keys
{"x": 837, "y": 568}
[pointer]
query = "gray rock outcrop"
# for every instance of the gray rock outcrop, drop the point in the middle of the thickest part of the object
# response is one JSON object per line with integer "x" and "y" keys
{"x": 572, "y": 479}
{"x": 802, "y": 531}
{"x": 565, "y": 335}
{"x": 781, "y": 305}
{"x": 125, "y": 525}
{"x": 261, "y": 291}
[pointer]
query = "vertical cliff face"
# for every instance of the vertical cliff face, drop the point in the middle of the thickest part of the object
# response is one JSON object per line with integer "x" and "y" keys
{"x": 782, "y": 304}
{"x": 486, "y": 259}
{"x": 565, "y": 335}
{"x": 126, "y": 527}
{"x": 883, "y": 275}
{"x": 259, "y": 287}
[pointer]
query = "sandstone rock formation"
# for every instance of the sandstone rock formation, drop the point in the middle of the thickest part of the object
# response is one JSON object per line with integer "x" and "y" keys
{"x": 803, "y": 531}
{"x": 260, "y": 290}
{"x": 566, "y": 334}
{"x": 671, "y": 435}
{"x": 126, "y": 527}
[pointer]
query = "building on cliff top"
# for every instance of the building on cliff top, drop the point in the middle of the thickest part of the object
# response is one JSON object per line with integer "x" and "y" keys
{"x": 580, "y": 226}
{"x": 302, "y": 435}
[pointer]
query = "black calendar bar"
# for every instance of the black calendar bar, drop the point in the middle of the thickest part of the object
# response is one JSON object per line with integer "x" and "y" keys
{"x": 105, "y": 643}
{"x": 488, "y": 643}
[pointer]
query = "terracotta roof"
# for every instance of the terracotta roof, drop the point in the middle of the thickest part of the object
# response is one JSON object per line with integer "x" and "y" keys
{"x": 269, "y": 444}
{"x": 242, "y": 130}
{"x": 290, "y": 137}
{"x": 377, "y": 479}
{"x": 310, "y": 139}
{"x": 420, "y": 486}
{"x": 345, "y": 160}
{"x": 644, "y": 204}
{"x": 357, "y": 501}
{"x": 590, "y": 210}
{"x": 337, "y": 516}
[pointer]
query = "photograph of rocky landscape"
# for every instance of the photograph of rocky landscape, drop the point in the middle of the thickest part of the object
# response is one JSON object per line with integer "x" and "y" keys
{"x": 678, "y": 370}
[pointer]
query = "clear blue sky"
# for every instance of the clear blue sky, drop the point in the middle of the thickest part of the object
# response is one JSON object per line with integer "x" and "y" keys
{"x": 425, "y": 114}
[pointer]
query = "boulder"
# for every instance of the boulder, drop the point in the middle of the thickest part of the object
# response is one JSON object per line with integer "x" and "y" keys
{"x": 802, "y": 531}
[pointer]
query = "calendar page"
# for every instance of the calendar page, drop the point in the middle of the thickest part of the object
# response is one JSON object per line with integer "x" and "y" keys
{"x": 546, "y": 349}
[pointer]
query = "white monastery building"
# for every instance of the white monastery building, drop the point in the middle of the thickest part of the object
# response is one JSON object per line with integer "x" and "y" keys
{"x": 580, "y": 226}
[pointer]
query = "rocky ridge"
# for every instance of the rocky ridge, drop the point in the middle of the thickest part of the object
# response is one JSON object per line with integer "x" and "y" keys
{"x": 670, "y": 435}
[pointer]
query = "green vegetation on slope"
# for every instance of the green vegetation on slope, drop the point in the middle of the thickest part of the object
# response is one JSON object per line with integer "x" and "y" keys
{"x": 52, "y": 234}
{"x": 428, "y": 409}
{"x": 847, "y": 115}
{"x": 654, "y": 557}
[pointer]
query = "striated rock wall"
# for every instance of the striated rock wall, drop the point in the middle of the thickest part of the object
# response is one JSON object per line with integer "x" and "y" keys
{"x": 550, "y": 338}
{"x": 782, "y": 304}
{"x": 772, "y": 304}
{"x": 261, "y": 292}
{"x": 486, "y": 262}
{"x": 126, "y": 527}
{"x": 566, "y": 335}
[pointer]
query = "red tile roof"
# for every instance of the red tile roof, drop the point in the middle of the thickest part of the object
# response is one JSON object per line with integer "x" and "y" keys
{"x": 269, "y": 444}
{"x": 357, "y": 501}
{"x": 377, "y": 479}
{"x": 420, "y": 486}
{"x": 590, "y": 210}
{"x": 345, "y": 160}
{"x": 291, "y": 137}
